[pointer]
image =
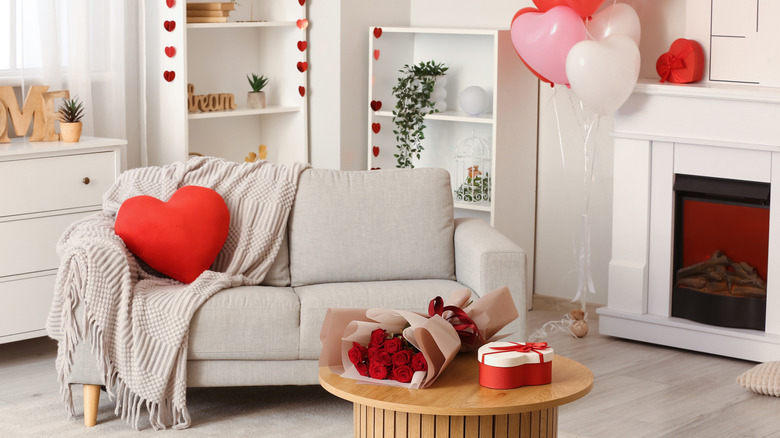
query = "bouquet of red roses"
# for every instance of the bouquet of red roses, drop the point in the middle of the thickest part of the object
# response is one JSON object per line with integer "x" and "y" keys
{"x": 387, "y": 356}
{"x": 362, "y": 344}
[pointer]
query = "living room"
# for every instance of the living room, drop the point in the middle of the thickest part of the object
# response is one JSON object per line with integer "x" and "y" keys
{"x": 640, "y": 389}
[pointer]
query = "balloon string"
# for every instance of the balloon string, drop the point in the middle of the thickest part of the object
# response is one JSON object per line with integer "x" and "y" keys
{"x": 560, "y": 136}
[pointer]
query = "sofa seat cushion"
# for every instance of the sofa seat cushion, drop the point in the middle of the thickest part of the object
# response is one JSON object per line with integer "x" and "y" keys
{"x": 248, "y": 322}
{"x": 401, "y": 295}
{"x": 372, "y": 226}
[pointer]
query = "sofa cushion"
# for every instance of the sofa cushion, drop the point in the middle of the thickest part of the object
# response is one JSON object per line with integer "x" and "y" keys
{"x": 248, "y": 322}
{"x": 371, "y": 226}
{"x": 401, "y": 295}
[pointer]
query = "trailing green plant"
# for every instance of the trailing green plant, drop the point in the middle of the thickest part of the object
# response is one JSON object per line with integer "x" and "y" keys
{"x": 257, "y": 83}
{"x": 413, "y": 93}
{"x": 71, "y": 110}
{"x": 476, "y": 188}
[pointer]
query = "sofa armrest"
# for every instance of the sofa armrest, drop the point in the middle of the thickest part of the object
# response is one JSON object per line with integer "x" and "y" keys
{"x": 486, "y": 260}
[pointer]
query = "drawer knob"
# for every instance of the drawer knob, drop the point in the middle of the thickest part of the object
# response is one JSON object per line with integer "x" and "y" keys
{"x": 85, "y": 180}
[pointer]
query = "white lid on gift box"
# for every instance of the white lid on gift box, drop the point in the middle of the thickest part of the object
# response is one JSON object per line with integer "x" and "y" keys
{"x": 501, "y": 354}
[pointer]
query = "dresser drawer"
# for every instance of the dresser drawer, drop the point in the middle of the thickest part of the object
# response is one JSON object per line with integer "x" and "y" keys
{"x": 30, "y": 245}
{"x": 55, "y": 183}
{"x": 25, "y": 304}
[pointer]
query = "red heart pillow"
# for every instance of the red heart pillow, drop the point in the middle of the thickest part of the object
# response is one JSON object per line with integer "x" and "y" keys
{"x": 683, "y": 63}
{"x": 179, "y": 238}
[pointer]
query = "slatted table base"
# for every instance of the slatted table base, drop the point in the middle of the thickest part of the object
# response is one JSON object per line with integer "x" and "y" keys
{"x": 373, "y": 422}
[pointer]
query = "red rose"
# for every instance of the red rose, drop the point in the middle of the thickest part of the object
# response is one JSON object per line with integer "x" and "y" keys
{"x": 377, "y": 371}
{"x": 402, "y": 357}
{"x": 357, "y": 353}
{"x": 377, "y": 338}
{"x": 373, "y": 354}
{"x": 419, "y": 363}
{"x": 393, "y": 344}
{"x": 384, "y": 358}
{"x": 402, "y": 374}
{"x": 362, "y": 368}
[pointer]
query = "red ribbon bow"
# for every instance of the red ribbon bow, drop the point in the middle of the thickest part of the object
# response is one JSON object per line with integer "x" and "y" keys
{"x": 521, "y": 348}
{"x": 466, "y": 328}
{"x": 667, "y": 65}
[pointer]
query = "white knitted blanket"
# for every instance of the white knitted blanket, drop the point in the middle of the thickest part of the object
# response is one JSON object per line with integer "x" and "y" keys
{"x": 137, "y": 321}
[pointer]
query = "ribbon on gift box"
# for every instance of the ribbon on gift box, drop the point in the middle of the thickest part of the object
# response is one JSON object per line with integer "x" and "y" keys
{"x": 520, "y": 348}
{"x": 465, "y": 327}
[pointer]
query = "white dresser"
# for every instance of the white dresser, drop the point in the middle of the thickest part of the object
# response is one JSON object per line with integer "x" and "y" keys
{"x": 44, "y": 187}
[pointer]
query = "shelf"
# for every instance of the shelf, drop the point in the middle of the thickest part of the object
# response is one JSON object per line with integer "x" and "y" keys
{"x": 481, "y": 206}
{"x": 239, "y": 112}
{"x": 450, "y": 116}
{"x": 239, "y": 24}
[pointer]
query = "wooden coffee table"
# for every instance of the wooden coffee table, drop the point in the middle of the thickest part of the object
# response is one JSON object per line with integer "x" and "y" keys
{"x": 457, "y": 406}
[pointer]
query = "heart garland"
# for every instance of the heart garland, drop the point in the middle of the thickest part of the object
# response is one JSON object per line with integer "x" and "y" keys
{"x": 170, "y": 3}
{"x": 376, "y": 105}
{"x": 376, "y": 55}
{"x": 302, "y": 91}
{"x": 169, "y": 75}
{"x": 302, "y": 23}
{"x": 377, "y": 32}
{"x": 376, "y": 127}
{"x": 302, "y": 45}
{"x": 303, "y": 66}
{"x": 170, "y": 51}
{"x": 376, "y": 151}
{"x": 169, "y": 25}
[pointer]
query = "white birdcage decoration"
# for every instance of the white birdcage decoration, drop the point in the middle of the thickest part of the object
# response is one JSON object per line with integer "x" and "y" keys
{"x": 473, "y": 182}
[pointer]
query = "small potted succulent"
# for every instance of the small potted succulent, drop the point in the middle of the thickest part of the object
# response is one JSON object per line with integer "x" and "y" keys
{"x": 71, "y": 112}
{"x": 256, "y": 97}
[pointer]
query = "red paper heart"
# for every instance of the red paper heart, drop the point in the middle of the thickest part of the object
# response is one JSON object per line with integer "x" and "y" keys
{"x": 683, "y": 63}
{"x": 301, "y": 2}
{"x": 302, "y": 23}
{"x": 169, "y": 25}
{"x": 376, "y": 105}
{"x": 376, "y": 55}
{"x": 376, "y": 127}
{"x": 169, "y": 75}
{"x": 302, "y": 45}
{"x": 303, "y": 66}
{"x": 181, "y": 237}
{"x": 377, "y": 32}
{"x": 376, "y": 151}
{"x": 302, "y": 90}
{"x": 376, "y": 168}
{"x": 170, "y": 51}
{"x": 170, "y": 3}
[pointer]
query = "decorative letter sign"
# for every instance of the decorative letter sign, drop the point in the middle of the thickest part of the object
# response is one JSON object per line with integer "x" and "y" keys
{"x": 38, "y": 108}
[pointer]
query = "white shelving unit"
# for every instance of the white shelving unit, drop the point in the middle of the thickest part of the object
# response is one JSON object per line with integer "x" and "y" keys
{"x": 260, "y": 37}
{"x": 482, "y": 57}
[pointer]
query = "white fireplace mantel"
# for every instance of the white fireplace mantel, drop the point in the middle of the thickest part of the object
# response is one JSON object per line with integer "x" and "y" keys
{"x": 724, "y": 131}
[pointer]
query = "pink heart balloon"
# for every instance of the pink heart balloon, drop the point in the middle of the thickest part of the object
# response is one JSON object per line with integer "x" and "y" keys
{"x": 543, "y": 40}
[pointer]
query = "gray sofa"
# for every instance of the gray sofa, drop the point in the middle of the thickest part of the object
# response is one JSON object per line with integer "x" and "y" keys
{"x": 354, "y": 239}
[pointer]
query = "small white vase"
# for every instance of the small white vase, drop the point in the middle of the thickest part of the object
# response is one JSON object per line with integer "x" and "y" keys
{"x": 255, "y": 100}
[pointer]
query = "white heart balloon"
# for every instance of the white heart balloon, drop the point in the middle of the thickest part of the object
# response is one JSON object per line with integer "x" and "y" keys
{"x": 603, "y": 73}
{"x": 618, "y": 19}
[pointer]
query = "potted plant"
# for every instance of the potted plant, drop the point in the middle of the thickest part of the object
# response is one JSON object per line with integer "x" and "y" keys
{"x": 413, "y": 91}
{"x": 71, "y": 112}
{"x": 256, "y": 97}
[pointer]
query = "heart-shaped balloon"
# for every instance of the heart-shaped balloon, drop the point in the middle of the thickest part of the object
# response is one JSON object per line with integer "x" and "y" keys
{"x": 585, "y": 8}
{"x": 543, "y": 40}
{"x": 618, "y": 19}
{"x": 181, "y": 237}
{"x": 603, "y": 73}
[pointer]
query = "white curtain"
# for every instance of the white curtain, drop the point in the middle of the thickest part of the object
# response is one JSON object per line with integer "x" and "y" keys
{"x": 91, "y": 48}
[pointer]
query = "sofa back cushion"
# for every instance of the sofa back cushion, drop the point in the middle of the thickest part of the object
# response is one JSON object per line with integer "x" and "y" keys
{"x": 371, "y": 226}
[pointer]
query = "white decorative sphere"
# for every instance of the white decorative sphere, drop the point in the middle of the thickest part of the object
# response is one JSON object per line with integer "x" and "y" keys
{"x": 473, "y": 100}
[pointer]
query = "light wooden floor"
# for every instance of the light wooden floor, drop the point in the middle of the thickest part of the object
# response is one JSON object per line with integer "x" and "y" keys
{"x": 640, "y": 390}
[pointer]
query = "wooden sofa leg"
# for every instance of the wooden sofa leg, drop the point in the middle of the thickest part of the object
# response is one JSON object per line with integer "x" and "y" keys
{"x": 91, "y": 402}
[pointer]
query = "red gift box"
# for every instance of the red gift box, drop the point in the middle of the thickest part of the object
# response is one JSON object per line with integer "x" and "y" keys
{"x": 683, "y": 63}
{"x": 507, "y": 365}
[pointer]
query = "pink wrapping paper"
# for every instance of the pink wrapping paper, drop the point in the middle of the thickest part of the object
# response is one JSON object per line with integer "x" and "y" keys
{"x": 432, "y": 335}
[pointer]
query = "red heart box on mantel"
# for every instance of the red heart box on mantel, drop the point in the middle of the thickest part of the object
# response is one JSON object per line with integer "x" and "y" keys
{"x": 179, "y": 238}
{"x": 683, "y": 63}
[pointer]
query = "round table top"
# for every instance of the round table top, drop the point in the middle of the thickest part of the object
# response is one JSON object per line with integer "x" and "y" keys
{"x": 457, "y": 391}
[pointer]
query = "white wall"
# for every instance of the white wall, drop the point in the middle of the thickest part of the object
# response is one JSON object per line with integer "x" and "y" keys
{"x": 342, "y": 144}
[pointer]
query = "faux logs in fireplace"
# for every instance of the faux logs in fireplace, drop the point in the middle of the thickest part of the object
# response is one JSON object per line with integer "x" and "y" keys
{"x": 720, "y": 251}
